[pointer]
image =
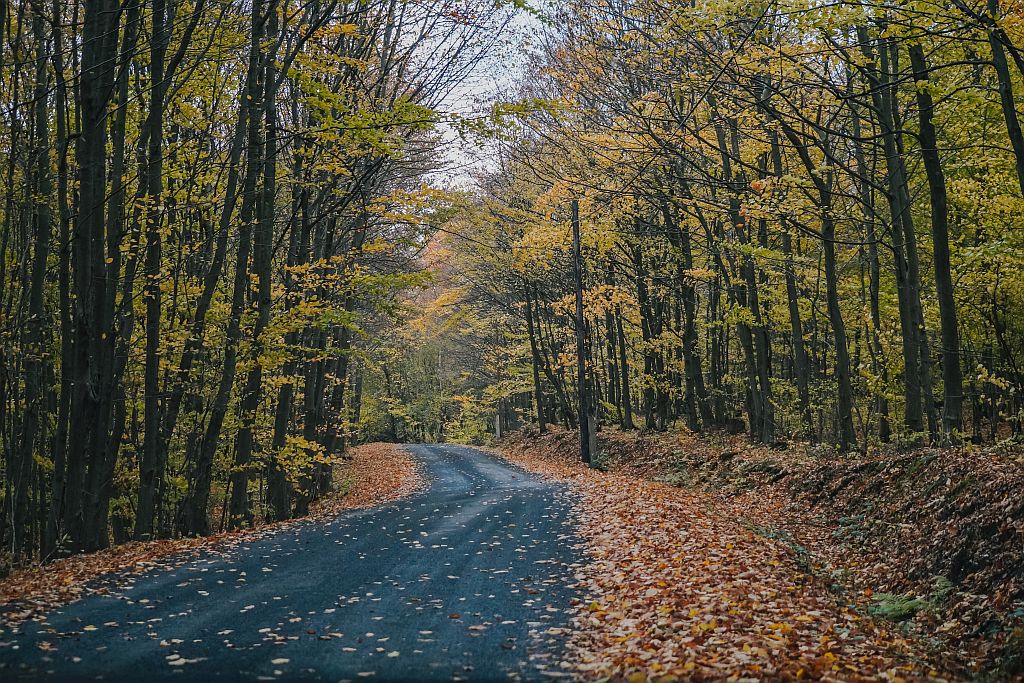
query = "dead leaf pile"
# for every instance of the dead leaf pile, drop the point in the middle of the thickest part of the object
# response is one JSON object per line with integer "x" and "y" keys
{"x": 929, "y": 538}
{"x": 679, "y": 591}
{"x": 374, "y": 474}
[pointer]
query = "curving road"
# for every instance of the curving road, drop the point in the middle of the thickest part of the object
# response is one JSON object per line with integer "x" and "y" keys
{"x": 468, "y": 580}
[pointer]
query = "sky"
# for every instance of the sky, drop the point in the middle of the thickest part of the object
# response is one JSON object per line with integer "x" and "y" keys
{"x": 494, "y": 79}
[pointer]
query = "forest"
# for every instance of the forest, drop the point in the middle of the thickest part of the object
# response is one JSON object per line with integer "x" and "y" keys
{"x": 232, "y": 245}
{"x": 209, "y": 209}
{"x": 447, "y": 340}
{"x": 795, "y": 220}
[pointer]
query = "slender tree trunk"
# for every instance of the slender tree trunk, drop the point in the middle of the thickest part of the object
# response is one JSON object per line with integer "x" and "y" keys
{"x": 538, "y": 392}
{"x": 279, "y": 488}
{"x": 756, "y": 398}
{"x": 194, "y": 515}
{"x": 952, "y": 377}
{"x": 913, "y": 260}
{"x": 583, "y": 396}
{"x": 901, "y": 227}
{"x": 846, "y": 437}
{"x": 801, "y": 367}
{"x": 759, "y": 334}
{"x": 56, "y": 520}
{"x": 240, "y": 512}
{"x": 643, "y": 300}
{"x": 123, "y": 314}
{"x": 627, "y": 396}
{"x": 698, "y": 403}
{"x": 611, "y": 359}
{"x": 867, "y": 198}
{"x": 152, "y": 466}
{"x": 844, "y": 405}
{"x": 36, "y": 364}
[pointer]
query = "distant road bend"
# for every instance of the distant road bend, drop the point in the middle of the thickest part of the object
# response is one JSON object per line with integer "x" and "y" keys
{"x": 467, "y": 580}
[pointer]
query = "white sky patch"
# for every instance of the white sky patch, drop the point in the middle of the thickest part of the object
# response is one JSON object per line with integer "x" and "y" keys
{"x": 493, "y": 79}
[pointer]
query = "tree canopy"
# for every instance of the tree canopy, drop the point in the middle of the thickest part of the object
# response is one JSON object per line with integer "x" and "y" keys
{"x": 230, "y": 247}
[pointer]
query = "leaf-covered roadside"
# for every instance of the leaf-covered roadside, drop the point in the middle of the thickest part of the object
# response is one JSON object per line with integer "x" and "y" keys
{"x": 374, "y": 474}
{"x": 677, "y": 590}
{"x": 930, "y": 538}
{"x": 377, "y": 473}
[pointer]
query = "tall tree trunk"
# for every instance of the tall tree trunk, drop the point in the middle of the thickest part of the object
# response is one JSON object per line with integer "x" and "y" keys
{"x": 35, "y": 368}
{"x": 194, "y": 514}
{"x": 697, "y": 400}
{"x": 611, "y": 358}
{"x": 538, "y": 392}
{"x": 56, "y": 518}
{"x": 844, "y": 404}
{"x": 879, "y": 80}
{"x": 279, "y": 488}
{"x": 239, "y": 511}
{"x": 801, "y": 366}
{"x": 123, "y": 315}
{"x": 759, "y": 333}
{"x": 846, "y": 437}
{"x": 152, "y": 466}
{"x": 627, "y": 396}
{"x": 867, "y": 198}
{"x": 952, "y": 377}
{"x": 92, "y": 338}
{"x": 890, "y": 63}
{"x": 646, "y": 323}
{"x": 739, "y": 293}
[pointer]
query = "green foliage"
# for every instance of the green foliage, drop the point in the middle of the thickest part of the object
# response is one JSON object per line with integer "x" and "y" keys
{"x": 896, "y": 607}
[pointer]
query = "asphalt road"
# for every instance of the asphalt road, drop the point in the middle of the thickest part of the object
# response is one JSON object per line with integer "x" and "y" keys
{"x": 468, "y": 580}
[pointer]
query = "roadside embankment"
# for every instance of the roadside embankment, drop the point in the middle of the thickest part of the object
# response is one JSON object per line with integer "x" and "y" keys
{"x": 711, "y": 556}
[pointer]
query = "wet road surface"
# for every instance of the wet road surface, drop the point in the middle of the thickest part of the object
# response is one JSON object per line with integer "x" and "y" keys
{"x": 467, "y": 580}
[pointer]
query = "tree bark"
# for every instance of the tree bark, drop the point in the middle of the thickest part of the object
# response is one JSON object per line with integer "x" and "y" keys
{"x": 152, "y": 466}
{"x": 538, "y": 392}
{"x": 194, "y": 514}
{"x": 240, "y": 512}
{"x": 952, "y": 378}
